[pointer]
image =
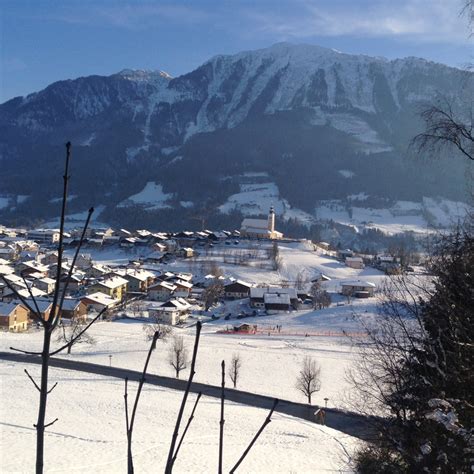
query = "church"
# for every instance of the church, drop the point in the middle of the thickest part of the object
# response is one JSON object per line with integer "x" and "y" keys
{"x": 260, "y": 228}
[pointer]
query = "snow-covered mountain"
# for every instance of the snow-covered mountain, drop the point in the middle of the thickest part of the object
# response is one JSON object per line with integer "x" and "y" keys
{"x": 298, "y": 113}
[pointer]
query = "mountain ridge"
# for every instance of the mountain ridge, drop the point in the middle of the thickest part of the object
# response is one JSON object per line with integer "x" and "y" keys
{"x": 237, "y": 113}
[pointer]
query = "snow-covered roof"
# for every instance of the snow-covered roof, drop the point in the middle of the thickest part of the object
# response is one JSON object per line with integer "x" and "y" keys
{"x": 113, "y": 282}
{"x": 358, "y": 283}
{"x": 260, "y": 292}
{"x": 255, "y": 224}
{"x": 100, "y": 298}
{"x": 7, "y": 308}
{"x": 164, "y": 284}
{"x": 276, "y": 298}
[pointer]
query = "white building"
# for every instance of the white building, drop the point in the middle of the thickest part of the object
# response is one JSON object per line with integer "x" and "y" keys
{"x": 260, "y": 228}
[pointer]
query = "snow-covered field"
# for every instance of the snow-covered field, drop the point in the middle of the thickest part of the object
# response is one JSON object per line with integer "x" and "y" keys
{"x": 150, "y": 197}
{"x": 90, "y": 433}
{"x": 270, "y": 364}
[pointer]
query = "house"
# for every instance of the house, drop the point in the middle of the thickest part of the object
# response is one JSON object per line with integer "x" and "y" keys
{"x": 97, "y": 270}
{"x": 98, "y": 301}
{"x": 74, "y": 309}
{"x": 115, "y": 287}
{"x": 9, "y": 252}
{"x": 186, "y": 252}
{"x": 44, "y": 236}
{"x": 138, "y": 280}
{"x": 84, "y": 261}
{"x": 183, "y": 288}
{"x": 45, "y": 284}
{"x": 32, "y": 266}
{"x": 161, "y": 291}
{"x": 76, "y": 282}
{"x": 258, "y": 299}
{"x": 236, "y": 290}
{"x": 321, "y": 277}
{"x": 260, "y": 228}
{"x": 13, "y": 317}
{"x": 44, "y": 305}
{"x": 343, "y": 254}
{"x": 277, "y": 302}
{"x": 354, "y": 262}
{"x": 173, "y": 311}
{"x": 358, "y": 288}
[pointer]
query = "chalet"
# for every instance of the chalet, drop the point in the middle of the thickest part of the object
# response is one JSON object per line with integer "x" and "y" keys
{"x": 343, "y": 254}
{"x": 45, "y": 284}
{"x": 277, "y": 302}
{"x": 183, "y": 288}
{"x": 75, "y": 283}
{"x": 321, "y": 277}
{"x": 13, "y": 317}
{"x": 154, "y": 257}
{"x": 50, "y": 258}
{"x": 161, "y": 291}
{"x": 354, "y": 262}
{"x": 260, "y": 228}
{"x": 186, "y": 252}
{"x": 236, "y": 290}
{"x": 9, "y": 252}
{"x": 97, "y": 270}
{"x": 258, "y": 299}
{"x": 74, "y": 309}
{"x": 115, "y": 287}
{"x": 31, "y": 266}
{"x": 358, "y": 288}
{"x": 44, "y": 305}
{"x": 138, "y": 280}
{"x": 173, "y": 311}
{"x": 44, "y": 236}
{"x": 98, "y": 301}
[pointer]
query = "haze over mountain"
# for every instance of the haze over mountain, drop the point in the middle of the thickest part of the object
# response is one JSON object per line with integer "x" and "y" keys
{"x": 296, "y": 126}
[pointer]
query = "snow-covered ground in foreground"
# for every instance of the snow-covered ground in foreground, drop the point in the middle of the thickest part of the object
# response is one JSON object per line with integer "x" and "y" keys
{"x": 270, "y": 359}
{"x": 150, "y": 197}
{"x": 90, "y": 433}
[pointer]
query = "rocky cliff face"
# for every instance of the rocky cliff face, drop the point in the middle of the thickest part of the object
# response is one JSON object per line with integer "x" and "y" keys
{"x": 299, "y": 113}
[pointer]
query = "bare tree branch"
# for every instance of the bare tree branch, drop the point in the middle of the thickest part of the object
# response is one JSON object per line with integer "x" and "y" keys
{"x": 259, "y": 432}
{"x": 187, "y": 426}
{"x": 222, "y": 421}
{"x": 32, "y": 380}
{"x": 170, "y": 461}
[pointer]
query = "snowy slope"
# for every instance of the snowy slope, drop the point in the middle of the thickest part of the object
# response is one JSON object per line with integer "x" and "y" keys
{"x": 90, "y": 437}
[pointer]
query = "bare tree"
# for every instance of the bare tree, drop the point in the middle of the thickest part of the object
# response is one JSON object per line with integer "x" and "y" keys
{"x": 309, "y": 378}
{"x": 178, "y": 355}
{"x": 301, "y": 280}
{"x": 234, "y": 369}
{"x": 156, "y": 327}
{"x": 444, "y": 129}
{"x": 321, "y": 298}
{"x": 212, "y": 294}
{"x": 50, "y": 322}
{"x": 71, "y": 333}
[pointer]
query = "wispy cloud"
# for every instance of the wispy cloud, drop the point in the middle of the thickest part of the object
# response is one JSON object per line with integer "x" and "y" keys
{"x": 424, "y": 20}
{"x": 134, "y": 16}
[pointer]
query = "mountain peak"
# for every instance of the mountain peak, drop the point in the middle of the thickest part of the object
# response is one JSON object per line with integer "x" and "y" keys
{"x": 143, "y": 74}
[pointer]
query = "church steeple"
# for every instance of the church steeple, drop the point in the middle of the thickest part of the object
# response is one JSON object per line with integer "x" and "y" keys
{"x": 271, "y": 220}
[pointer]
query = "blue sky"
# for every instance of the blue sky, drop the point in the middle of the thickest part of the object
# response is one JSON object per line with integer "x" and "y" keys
{"x": 42, "y": 41}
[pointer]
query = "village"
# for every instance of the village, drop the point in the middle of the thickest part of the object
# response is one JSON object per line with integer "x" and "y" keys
{"x": 174, "y": 278}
